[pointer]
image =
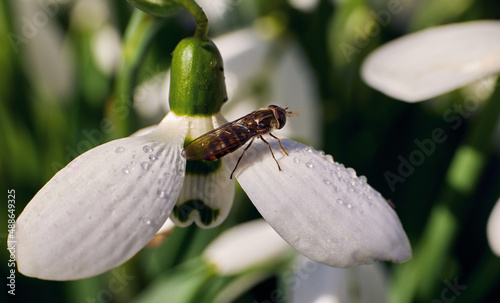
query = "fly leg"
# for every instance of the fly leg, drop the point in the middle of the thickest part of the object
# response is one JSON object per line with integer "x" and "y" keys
{"x": 269, "y": 145}
{"x": 239, "y": 159}
{"x": 278, "y": 142}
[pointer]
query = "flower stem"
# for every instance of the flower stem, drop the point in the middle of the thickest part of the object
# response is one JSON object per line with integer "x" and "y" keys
{"x": 200, "y": 17}
{"x": 417, "y": 277}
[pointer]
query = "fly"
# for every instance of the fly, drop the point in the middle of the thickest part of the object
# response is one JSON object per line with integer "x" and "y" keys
{"x": 233, "y": 135}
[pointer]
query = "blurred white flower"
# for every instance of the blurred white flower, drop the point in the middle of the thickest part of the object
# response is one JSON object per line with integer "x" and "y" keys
{"x": 434, "y": 61}
{"x": 245, "y": 246}
{"x": 317, "y": 283}
{"x": 493, "y": 229}
{"x": 40, "y": 42}
{"x": 304, "y": 5}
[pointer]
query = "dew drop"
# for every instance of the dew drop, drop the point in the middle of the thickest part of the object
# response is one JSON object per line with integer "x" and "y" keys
{"x": 296, "y": 160}
{"x": 339, "y": 201}
{"x": 119, "y": 149}
{"x": 125, "y": 171}
{"x": 147, "y": 149}
{"x": 309, "y": 165}
{"x": 327, "y": 182}
{"x": 147, "y": 222}
{"x": 335, "y": 188}
{"x": 329, "y": 158}
{"x": 351, "y": 171}
{"x": 348, "y": 205}
{"x": 308, "y": 149}
{"x": 162, "y": 194}
{"x": 145, "y": 165}
{"x": 362, "y": 179}
{"x": 152, "y": 157}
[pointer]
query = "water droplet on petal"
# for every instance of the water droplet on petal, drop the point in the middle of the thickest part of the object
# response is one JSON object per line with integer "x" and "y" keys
{"x": 125, "y": 171}
{"x": 351, "y": 171}
{"x": 147, "y": 222}
{"x": 147, "y": 149}
{"x": 327, "y": 182}
{"x": 119, "y": 149}
{"x": 162, "y": 194}
{"x": 339, "y": 201}
{"x": 152, "y": 157}
{"x": 296, "y": 160}
{"x": 362, "y": 179}
{"x": 348, "y": 205}
{"x": 309, "y": 165}
{"x": 145, "y": 165}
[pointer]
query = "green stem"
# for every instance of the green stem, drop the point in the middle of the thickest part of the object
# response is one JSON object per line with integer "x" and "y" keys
{"x": 419, "y": 276}
{"x": 200, "y": 17}
{"x": 139, "y": 33}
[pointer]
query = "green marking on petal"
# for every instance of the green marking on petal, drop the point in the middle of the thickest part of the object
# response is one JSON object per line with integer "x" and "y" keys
{"x": 202, "y": 167}
{"x": 207, "y": 214}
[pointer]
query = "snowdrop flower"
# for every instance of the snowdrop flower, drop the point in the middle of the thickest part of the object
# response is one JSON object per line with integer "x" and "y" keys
{"x": 120, "y": 193}
{"x": 493, "y": 229}
{"x": 317, "y": 283}
{"x": 434, "y": 61}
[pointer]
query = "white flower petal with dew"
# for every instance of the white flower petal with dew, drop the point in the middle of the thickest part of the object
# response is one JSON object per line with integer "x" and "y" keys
{"x": 493, "y": 229}
{"x": 104, "y": 206}
{"x": 434, "y": 61}
{"x": 244, "y": 246}
{"x": 319, "y": 207}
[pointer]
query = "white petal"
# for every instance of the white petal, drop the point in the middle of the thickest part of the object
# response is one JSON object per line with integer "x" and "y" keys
{"x": 434, "y": 61}
{"x": 318, "y": 283}
{"x": 103, "y": 207}
{"x": 207, "y": 196}
{"x": 493, "y": 229}
{"x": 244, "y": 246}
{"x": 319, "y": 207}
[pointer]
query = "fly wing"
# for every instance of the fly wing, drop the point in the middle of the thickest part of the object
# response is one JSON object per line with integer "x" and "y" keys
{"x": 219, "y": 142}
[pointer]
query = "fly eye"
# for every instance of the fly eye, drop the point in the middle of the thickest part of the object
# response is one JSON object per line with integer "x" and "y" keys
{"x": 281, "y": 117}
